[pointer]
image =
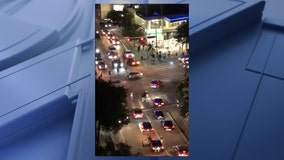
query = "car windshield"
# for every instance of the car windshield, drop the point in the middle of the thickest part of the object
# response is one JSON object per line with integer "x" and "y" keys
{"x": 168, "y": 123}
{"x": 159, "y": 113}
{"x": 101, "y": 63}
{"x": 158, "y": 100}
{"x": 138, "y": 111}
{"x": 133, "y": 73}
{"x": 147, "y": 125}
{"x": 156, "y": 143}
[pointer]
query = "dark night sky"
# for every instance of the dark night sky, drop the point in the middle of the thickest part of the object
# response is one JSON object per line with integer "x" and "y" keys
{"x": 167, "y": 9}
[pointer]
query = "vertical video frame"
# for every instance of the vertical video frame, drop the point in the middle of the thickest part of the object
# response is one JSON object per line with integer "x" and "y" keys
{"x": 142, "y": 79}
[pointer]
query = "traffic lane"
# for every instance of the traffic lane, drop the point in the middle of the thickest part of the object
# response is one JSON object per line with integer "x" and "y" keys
{"x": 132, "y": 135}
{"x": 170, "y": 138}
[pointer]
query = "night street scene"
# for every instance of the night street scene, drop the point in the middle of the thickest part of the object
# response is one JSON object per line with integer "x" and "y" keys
{"x": 142, "y": 75}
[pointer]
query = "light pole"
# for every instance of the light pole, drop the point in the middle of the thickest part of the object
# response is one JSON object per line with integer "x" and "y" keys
{"x": 156, "y": 47}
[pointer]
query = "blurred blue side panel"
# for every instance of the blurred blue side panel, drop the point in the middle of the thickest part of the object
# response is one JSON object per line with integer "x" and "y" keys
{"x": 47, "y": 80}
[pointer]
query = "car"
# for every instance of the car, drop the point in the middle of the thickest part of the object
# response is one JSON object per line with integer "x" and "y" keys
{"x": 116, "y": 63}
{"x": 158, "y": 102}
{"x": 167, "y": 125}
{"x": 145, "y": 127}
{"x": 106, "y": 23}
{"x": 126, "y": 120}
{"x": 110, "y": 36}
{"x": 159, "y": 114}
{"x": 102, "y": 65}
{"x": 105, "y": 32}
{"x": 133, "y": 62}
{"x": 184, "y": 57}
{"x": 98, "y": 35}
{"x": 180, "y": 150}
{"x": 111, "y": 48}
{"x": 145, "y": 96}
{"x": 185, "y": 64}
{"x": 98, "y": 59}
{"x": 155, "y": 83}
{"x": 134, "y": 75}
{"x": 157, "y": 145}
{"x": 112, "y": 55}
{"x": 128, "y": 54}
{"x": 114, "y": 41}
{"x": 137, "y": 113}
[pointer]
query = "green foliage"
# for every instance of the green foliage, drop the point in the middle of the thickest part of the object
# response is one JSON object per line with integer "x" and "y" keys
{"x": 110, "y": 105}
{"x": 111, "y": 149}
{"x": 182, "y": 34}
{"x": 183, "y": 90}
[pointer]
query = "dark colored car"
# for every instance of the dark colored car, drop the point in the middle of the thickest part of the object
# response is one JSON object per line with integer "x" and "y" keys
{"x": 138, "y": 113}
{"x": 158, "y": 102}
{"x": 98, "y": 59}
{"x": 133, "y": 62}
{"x": 180, "y": 150}
{"x": 102, "y": 65}
{"x": 116, "y": 63}
{"x": 168, "y": 125}
{"x": 157, "y": 146}
{"x": 155, "y": 83}
{"x": 159, "y": 114}
{"x": 134, "y": 75}
{"x": 145, "y": 127}
{"x": 110, "y": 36}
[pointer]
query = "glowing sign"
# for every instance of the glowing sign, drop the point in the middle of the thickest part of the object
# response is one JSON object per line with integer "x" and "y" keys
{"x": 153, "y": 31}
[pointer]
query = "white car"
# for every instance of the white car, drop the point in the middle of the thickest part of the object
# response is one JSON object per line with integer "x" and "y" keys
{"x": 134, "y": 75}
{"x": 112, "y": 55}
{"x": 128, "y": 54}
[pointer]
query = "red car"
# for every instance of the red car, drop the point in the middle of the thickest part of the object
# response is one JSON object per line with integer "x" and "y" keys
{"x": 138, "y": 113}
{"x": 155, "y": 83}
{"x": 158, "y": 102}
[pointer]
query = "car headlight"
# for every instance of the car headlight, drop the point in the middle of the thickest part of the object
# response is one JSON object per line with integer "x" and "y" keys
{"x": 121, "y": 64}
{"x": 97, "y": 50}
{"x": 115, "y": 65}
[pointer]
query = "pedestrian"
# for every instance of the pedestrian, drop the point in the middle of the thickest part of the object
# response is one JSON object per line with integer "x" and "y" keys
{"x": 141, "y": 58}
{"x": 161, "y": 139}
{"x": 169, "y": 54}
{"x": 109, "y": 72}
{"x": 138, "y": 48}
{"x": 176, "y": 54}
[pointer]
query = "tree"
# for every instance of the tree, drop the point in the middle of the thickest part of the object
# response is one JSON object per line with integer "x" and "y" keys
{"x": 110, "y": 107}
{"x": 183, "y": 90}
{"x": 182, "y": 33}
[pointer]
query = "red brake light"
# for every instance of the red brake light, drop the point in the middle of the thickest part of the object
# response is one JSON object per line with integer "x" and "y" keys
{"x": 156, "y": 103}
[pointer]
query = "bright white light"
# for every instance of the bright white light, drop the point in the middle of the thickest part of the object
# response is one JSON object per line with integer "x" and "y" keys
{"x": 97, "y": 50}
{"x": 171, "y": 62}
{"x": 115, "y": 65}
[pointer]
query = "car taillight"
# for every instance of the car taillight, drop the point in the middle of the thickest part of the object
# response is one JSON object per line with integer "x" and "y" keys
{"x": 152, "y": 129}
{"x": 162, "y": 147}
{"x": 162, "y": 103}
{"x": 153, "y": 148}
{"x": 173, "y": 126}
{"x": 166, "y": 127}
{"x": 156, "y": 103}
